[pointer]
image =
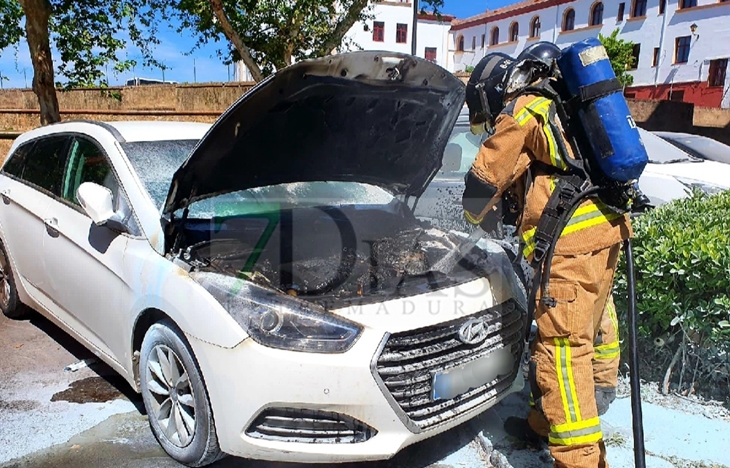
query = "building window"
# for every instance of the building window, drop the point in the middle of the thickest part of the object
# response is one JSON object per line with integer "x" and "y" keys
{"x": 681, "y": 49}
{"x": 460, "y": 44}
{"x": 655, "y": 60}
{"x": 621, "y": 8}
{"x": 687, "y": 4}
{"x": 535, "y": 27}
{"x": 662, "y": 6}
{"x": 401, "y": 33}
{"x": 718, "y": 72}
{"x": 514, "y": 32}
{"x": 569, "y": 20}
{"x": 597, "y": 14}
{"x": 494, "y": 38}
{"x": 430, "y": 54}
{"x": 676, "y": 96}
{"x": 378, "y": 31}
{"x": 635, "y": 55}
{"x": 474, "y": 43}
{"x": 639, "y": 8}
{"x": 484, "y": 39}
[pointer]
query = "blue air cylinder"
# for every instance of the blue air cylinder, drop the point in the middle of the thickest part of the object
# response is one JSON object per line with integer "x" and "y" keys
{"x": 602, "y": 111}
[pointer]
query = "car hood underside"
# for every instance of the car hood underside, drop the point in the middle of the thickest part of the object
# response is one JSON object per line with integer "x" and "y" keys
{"x": 373, "y": 117}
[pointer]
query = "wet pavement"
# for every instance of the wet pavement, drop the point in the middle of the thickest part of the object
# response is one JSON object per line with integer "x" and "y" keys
{"x": 92, "y": 418}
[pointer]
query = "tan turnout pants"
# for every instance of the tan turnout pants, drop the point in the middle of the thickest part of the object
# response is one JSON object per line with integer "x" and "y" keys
{"x": 575, "y": 358}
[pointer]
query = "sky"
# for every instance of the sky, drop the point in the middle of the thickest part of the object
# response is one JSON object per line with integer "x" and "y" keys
{"x": 203, "y": 65}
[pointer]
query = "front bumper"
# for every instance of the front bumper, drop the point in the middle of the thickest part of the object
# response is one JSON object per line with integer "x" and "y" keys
{"x": 250, "y": 381}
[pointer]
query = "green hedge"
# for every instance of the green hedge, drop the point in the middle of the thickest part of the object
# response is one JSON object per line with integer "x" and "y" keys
{"x": 682, "y": 264}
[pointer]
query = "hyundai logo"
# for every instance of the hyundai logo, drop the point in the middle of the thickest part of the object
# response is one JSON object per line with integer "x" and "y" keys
{"x": 473, "y": 332}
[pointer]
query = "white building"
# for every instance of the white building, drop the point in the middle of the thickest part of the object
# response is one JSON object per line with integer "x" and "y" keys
{"x": 681, "y": 46}
{"x": 391, "y": 29}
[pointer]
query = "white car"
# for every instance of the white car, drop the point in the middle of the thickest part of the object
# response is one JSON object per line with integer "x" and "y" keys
{"x": 263, "y": 282}
{"x": 673, "y": 173}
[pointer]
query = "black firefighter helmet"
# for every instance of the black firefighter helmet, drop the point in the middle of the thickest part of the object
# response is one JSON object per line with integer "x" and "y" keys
{"x": 542, "y": 56}
{"x": 485, "y": 90}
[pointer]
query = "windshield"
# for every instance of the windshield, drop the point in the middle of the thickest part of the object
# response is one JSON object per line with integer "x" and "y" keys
{"x": 701, "y": 147}
{"x": 156, "y": 162}
{"x": 273, "y": 198}
{"x": 460, "y": 152}
{"x": 661, "y": 151}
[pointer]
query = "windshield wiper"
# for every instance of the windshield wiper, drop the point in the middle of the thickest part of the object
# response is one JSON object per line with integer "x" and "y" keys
{"x": 678, "y": 160}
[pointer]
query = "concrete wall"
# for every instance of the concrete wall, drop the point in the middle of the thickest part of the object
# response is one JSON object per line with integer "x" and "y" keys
{"x": 197, "y": 103}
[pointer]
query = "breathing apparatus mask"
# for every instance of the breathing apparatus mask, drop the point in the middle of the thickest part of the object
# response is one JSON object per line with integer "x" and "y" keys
{"x": 485, "y": 92}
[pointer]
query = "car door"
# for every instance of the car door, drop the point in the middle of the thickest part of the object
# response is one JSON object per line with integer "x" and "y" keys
{"x": 84, "y": 262}
{"x": 33, "y": 176}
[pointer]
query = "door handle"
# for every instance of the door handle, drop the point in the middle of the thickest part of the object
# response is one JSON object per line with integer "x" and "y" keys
{"x": 51, "y": 223}
{"x": 5, "y": 194}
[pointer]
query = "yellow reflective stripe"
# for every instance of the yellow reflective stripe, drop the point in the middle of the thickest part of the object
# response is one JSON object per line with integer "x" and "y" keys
{"x": 615, "y": 354}
{"x": 555, "y": 158}
{"x": 580, "y": 432}
{"x": 574, "y": 426}
{"x": 606, "y": 347}
{"x": 541, "y": 107}
{"x": 527, "y": 112}
{"x": 586, "y": 439}
{"x": 612, "y": 315}
{"x": 565, "y": 380}
{"x": 592, "y": 217}
{"x": 561, "y": 381}
{"x": 471, "y": 218}
{"x": 569, "y": 369}
{"x": 528, "y": 237}
{"x": 583, "y": 218}
{"x": 607, "y": 351}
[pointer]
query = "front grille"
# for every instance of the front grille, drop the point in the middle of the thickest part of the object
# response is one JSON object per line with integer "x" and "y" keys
{"x": 309, "y": 426}
{"x": 409, "y": 361}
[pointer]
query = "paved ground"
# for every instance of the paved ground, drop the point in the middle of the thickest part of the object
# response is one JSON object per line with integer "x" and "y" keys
{"x": 53, "y": 418}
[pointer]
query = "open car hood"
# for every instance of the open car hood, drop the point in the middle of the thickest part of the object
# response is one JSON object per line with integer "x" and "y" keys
{"x": 381, "y": 118}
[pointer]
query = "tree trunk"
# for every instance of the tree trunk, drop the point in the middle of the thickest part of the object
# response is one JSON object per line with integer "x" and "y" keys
{"x": 37, "y": 14}
{"x": 236, "y": 40}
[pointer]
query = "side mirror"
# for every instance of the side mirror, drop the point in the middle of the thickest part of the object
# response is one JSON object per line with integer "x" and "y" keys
{"x": 98, "y": 203}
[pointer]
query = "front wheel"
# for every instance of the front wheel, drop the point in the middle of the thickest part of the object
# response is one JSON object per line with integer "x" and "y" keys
{"x": 9, "y": 302}
{"x": 175, "y": 397}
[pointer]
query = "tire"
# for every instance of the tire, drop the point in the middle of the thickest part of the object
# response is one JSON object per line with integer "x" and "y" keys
{"x": 181, "y": 420}
{"x": 9, "y": 302}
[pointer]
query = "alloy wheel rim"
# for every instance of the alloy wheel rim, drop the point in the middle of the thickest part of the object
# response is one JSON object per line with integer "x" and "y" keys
{"x": 171, "y": 395}
{"x": 4, "y": 282}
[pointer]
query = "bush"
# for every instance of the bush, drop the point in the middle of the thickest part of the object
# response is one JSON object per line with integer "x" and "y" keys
{"x": 682, "y": 265}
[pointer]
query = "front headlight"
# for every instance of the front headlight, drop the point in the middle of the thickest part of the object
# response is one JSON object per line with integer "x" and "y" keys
{"x": 279, "y": 321}
{"x": 692, "y": 184}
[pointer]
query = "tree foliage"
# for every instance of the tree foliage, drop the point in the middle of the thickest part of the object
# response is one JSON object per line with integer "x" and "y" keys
{"x": 88, "y": 35}
{"x": 682, "y": 268}
{"x": 270, "y": 34}
{"x": 621, "y": 54}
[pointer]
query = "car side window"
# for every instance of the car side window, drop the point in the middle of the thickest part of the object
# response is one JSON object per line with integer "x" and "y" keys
{"x": 16, "y": 162}
{"x": 43, "y": 164}
{"x": 87, "y": 162}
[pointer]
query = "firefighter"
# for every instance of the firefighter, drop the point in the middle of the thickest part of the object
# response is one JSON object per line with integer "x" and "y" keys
{"x": 566, "y": 366}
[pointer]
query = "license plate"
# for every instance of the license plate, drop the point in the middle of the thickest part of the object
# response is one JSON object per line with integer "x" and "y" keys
{"x": 453, "y": 382}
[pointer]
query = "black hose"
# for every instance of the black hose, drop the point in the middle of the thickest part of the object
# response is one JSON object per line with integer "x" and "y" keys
{"x": 637, "y": 418}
